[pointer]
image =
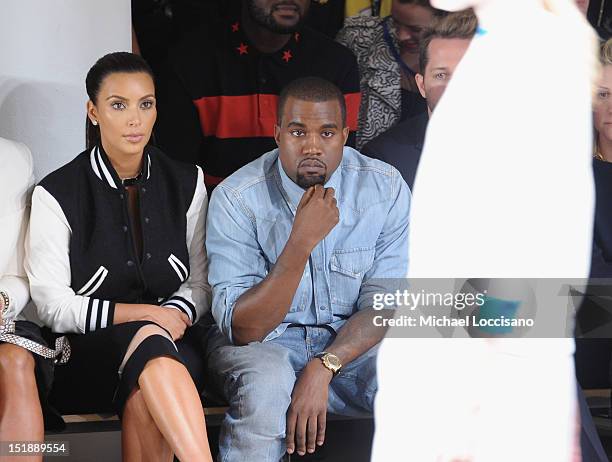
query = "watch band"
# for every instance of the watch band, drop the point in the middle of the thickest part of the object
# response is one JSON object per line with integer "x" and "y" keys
{"x": 6, "y": 301}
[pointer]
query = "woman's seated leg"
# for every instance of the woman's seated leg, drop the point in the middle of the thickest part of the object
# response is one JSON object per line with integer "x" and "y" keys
{"x": 164, "y": 403}
{"x": 21, "y": 416}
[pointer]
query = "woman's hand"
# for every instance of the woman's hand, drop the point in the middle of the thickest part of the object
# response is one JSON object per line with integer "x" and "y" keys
{"x": 171, "y": 319}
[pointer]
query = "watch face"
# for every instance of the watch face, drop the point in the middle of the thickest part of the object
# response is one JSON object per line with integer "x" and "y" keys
{"x": 333, "y": 361}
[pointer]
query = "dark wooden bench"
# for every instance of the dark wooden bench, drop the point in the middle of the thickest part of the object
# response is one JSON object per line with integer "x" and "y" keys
{"x": 91, "y": 435}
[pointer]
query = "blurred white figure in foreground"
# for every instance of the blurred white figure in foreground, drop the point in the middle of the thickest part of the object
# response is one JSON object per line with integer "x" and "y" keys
{"x": 503, "y": 190}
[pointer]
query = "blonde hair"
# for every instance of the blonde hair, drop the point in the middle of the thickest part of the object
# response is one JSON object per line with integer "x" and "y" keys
{"x": 457, "y": 25}
{"x": 605, "y": 57}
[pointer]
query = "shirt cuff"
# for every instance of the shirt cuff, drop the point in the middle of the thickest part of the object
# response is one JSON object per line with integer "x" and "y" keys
{"x": 100, "y": 314}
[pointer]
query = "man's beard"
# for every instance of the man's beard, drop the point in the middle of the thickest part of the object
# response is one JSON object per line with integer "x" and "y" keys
{"x": 259, "y": 16}
{"x": 306, "y": 182}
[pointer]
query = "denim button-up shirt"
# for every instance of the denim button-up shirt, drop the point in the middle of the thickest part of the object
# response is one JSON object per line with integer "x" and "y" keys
{"x": 250, "y": 218}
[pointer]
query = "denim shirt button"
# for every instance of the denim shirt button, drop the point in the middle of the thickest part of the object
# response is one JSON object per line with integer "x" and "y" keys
{"x": 323, "y": 308}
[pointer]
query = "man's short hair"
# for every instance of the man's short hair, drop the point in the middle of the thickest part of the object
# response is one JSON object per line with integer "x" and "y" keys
{"x": 312, "y": 89}
{"x": 605, "y": 55}
{"x": 459, "y": 25}
{"x": 423, "y": 3}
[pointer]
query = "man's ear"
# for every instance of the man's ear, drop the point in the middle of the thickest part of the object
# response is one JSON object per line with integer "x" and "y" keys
{"x": 345, "y": 133}
{"x": 420, "y": 81}
{"x": 277, "y": 131}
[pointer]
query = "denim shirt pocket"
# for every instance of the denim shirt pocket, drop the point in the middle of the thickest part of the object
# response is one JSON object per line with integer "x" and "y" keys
{"x": 348, "y": 266}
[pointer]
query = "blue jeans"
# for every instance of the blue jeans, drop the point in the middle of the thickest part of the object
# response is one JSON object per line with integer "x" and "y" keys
{"x": 257, "y": 381}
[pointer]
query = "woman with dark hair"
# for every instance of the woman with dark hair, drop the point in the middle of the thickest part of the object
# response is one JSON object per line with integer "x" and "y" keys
{"x": 116, "y": 260}
{"x": 387, "y": 51}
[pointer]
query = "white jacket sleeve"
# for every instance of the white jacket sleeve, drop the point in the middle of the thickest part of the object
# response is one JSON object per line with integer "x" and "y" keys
{"x": 48, "y": 268}
{"x": 194, "y": 296}
{"x": 18, "y": 291}
{"x": 14, "y": 213}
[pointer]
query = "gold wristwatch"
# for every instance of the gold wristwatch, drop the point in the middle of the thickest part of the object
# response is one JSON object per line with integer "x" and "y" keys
{"x": 330, "y": 361}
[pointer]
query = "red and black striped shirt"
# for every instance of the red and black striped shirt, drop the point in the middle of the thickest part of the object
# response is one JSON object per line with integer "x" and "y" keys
{"x": 217, "y": 104}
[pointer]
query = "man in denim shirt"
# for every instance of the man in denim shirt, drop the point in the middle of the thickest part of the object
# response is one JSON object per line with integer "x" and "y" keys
{"x": 296, "y": 240}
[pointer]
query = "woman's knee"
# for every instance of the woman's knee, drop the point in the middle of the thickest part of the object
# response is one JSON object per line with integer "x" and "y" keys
{"x": 141, "y": 335}
{"x": 15, "y": 360}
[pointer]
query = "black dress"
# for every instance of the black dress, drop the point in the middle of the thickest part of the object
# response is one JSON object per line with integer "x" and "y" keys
{"x": 97, "y": 242}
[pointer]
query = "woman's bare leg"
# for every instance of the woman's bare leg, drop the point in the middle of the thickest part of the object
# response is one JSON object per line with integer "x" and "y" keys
{"x": 140, "y": 437}
{"x": 171, "y": 399}
{"x": 173, "y": 402}
{"x": 21, "y": 417}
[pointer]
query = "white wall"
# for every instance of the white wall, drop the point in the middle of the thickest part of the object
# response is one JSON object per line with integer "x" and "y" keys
{"x": 47, "y": 47}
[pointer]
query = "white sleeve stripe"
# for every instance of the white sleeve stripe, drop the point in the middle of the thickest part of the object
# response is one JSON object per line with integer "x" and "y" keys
{"x": 98, "y": 284}
{"x": 94, "y": 315}
{"x": 101, "y": 274}
{"x": 104, "y": 319}
{"x": 176, "y": 269}
{"x": 176, "y": 307}
{"x": 180, "y": 263}
{"x": 179, "y": 304}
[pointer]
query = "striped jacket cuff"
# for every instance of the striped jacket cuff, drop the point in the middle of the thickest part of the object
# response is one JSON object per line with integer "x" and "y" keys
{"x": 100, "y": 314}
{"x": 182, "y": 304}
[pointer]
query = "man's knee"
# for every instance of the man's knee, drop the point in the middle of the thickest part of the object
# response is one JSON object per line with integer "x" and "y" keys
{"x": 259, "y": 376}
{"x": 15, "y": 360}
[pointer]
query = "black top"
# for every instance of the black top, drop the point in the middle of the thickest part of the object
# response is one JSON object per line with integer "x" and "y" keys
{"x": 401, "y": 146}
{"x": 217, "y": 104}
{"x": 94, "y": 202}
{"x": 601, "y": 263}
{"x": 413, "y": 104}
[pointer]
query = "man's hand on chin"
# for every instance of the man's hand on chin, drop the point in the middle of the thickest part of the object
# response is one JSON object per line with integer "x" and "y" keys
{"x": 307, "y": 415}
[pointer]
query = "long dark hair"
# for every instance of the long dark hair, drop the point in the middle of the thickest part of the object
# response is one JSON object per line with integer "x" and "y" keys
{"x": 111, "y": 63}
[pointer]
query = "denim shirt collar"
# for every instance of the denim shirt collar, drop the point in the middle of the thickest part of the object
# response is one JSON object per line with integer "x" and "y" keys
{"x": 293, "y": 193}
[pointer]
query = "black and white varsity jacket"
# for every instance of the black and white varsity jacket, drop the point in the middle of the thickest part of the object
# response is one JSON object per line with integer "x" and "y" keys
{"x": 80, "y": 258}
